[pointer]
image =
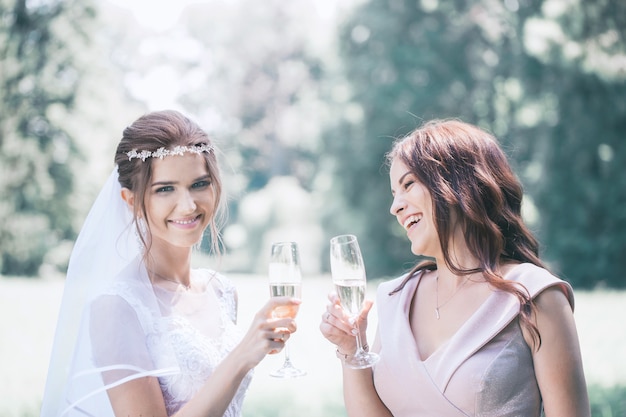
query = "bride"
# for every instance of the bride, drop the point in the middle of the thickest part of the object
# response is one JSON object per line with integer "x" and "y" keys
{"x": 141, "y": 333}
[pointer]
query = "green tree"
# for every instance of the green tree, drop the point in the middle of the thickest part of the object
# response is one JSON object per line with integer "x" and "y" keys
{"x": 264, "y": 87}
{"x": 39, "y": 79}
{"x": 263, "y": 91}
{"x": 581, "y": 186}
{"x": 526, "y": 71}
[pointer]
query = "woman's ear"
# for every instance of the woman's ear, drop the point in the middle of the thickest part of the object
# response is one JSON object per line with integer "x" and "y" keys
{"x": 129, "y": 197}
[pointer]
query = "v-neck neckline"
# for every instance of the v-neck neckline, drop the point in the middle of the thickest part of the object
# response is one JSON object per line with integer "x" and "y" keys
{"x": 461, "y": 331}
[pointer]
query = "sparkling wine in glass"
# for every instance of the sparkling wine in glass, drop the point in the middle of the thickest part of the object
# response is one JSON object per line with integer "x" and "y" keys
{"x": 285, "y": 280}
{"x": 348, "y": 273}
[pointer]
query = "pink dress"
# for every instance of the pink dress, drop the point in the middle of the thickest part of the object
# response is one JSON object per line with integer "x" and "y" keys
{"x": 485, "y": 369}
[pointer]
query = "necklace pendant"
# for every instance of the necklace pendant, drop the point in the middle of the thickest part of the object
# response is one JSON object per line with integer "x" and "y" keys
{"x": 437, "y": 313}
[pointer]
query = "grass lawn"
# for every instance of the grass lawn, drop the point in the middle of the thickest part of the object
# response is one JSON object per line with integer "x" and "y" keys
{"x": 29, "y": 307}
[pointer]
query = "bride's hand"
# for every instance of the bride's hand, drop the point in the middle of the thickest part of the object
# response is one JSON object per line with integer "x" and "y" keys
{"x": 338, "y": 327}
{"x": 267, "y": 334}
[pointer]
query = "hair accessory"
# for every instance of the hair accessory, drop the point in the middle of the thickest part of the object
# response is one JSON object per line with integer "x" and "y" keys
{"x": 162, "y": 152}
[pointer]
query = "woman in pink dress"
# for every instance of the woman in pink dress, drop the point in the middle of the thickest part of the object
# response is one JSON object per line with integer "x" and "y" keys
{"x": 479, "y": 328}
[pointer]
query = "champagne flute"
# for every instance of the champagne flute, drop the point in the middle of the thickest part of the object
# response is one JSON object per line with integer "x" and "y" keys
{"x": 285, "y": 280}
{"x": 348, "y": 274}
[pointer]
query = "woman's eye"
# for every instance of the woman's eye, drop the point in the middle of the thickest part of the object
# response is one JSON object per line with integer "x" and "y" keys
{"x": 408, "y": 184}
{"x": 165, "y": 189}
{"x": 201, "y": 184}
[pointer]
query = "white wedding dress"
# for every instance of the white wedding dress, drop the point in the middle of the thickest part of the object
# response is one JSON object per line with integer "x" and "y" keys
{"x": 175, "y": 334}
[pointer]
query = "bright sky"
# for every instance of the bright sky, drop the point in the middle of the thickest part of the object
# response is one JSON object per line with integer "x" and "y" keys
{"x": 155, "y": 14}
{"x": 159, "y": 87}
{"x": 161, "y": 15}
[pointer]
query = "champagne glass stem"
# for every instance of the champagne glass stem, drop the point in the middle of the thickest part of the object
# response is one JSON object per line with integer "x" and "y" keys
{"x": 287, "y": 357}
{"x": 288, "y": 370}
{"x": 359, "y": 344}
{"x": 361, "y": 358}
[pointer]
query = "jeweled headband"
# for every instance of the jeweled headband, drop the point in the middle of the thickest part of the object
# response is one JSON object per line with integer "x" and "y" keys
{"x": 162, "y": 152}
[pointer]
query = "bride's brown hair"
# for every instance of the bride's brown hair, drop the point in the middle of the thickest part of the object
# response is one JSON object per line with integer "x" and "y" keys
{"x": 470, "y": 179}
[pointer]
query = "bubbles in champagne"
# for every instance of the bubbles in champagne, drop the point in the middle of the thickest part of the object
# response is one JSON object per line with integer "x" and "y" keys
{"x": 351, "y": 293}
{"x": 287, "y": 290}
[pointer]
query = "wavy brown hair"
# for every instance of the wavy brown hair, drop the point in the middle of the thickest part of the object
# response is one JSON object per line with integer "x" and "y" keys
{"x": 163, "y": 129}
{"x": 470, "y": 179}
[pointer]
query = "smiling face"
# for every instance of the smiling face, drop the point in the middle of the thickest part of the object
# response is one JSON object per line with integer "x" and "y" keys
{"x": 179, "y": 200}
{"x": 413, "y": 207}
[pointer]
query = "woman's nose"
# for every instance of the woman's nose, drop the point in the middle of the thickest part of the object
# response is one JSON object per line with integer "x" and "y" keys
{"x": 187, "y": 202}
{"x": 397, "y": 205}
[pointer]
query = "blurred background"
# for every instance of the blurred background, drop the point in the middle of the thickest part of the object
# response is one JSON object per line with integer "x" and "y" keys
{"x": 304, "y": 97}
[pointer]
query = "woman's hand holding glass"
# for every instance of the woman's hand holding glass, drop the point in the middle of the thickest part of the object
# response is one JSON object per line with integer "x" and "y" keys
{"x": 267, "y": 333}
{"x": 338, "y": 326}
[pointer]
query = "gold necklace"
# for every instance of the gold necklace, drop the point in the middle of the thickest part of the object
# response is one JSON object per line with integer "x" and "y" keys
{"x": 438, "y": 306}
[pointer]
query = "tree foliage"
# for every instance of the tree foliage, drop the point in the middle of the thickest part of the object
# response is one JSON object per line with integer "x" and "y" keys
{"x": 547, "y": 77}
{"x": 264, "y": 88}
{"x": 39, "y": 79}
{"x": 261, "y": 95}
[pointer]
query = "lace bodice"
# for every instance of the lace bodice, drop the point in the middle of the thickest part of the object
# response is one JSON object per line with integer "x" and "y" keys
{"x": 194, "y": 330}
{"x": 198, "y": 354}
